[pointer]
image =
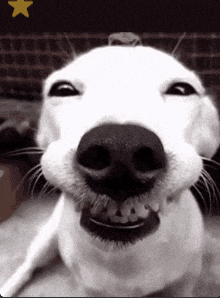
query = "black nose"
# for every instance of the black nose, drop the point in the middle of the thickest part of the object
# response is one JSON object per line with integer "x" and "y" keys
{"x": 120, "y": 161}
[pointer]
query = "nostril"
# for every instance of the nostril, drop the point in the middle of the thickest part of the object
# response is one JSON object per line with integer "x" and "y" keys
{"x": 95, "y": 157}
{"x": 142, "y": 159}
{"x": 146, "y": 159}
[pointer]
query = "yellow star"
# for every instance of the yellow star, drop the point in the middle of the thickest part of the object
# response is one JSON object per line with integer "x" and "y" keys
{"x": 20, "y": 6}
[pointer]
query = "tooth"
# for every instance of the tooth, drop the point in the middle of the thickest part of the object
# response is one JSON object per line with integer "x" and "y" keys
{"x": 125, "y": 209}
{"x": 138, "y": 208}
{"x": 115, "y": 218}
{"x": 144, "y": 213}
{"x": 93, "y": 211}
{"x": 112, "y": 208}
{"x": 141, "y": 210}
{"x": 96, "y": 209}
{"x": 119, "y": 219}
{"x": 133, "y": 217}
{"x": 154, "y": 205}
{"x": 124, "y": 219}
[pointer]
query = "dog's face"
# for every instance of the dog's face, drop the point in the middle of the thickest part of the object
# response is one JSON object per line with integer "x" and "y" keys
{"x": 124, "y": 129}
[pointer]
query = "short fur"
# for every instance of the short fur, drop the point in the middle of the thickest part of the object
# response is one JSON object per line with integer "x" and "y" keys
{"x": 125, "y": 85}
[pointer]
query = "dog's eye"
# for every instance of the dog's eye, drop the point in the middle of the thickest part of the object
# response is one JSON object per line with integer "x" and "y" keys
{"x": 182, "y": 89}
{"x": 63, "y": 89}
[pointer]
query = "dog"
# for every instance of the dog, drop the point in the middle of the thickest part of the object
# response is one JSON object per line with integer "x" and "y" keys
{"x": 124, "y": 130}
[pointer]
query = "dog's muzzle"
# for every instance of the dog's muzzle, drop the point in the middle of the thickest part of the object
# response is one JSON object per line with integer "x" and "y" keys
{"x": 121, "y": 162}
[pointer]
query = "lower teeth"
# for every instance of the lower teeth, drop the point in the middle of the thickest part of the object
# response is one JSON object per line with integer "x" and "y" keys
{"x": 133, "y": 217}
{"x": 119, "y": 219}
{"x": 116, "y": 227}
{"x": 131, "y": 211}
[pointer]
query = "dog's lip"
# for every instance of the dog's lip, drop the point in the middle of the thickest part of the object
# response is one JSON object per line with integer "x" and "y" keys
{"x": 127, "y": 233}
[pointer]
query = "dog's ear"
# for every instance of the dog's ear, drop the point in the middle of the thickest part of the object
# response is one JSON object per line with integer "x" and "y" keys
{"x": 208, "y": 128}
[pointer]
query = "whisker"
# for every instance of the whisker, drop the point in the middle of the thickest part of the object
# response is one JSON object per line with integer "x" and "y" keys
{"x": 203, "y": 199}
{"x": 28, "y": 173}
{"x": 69, "y": 43}
{"x": 35, "y": 176}
{"x": 211, "y": 161}
{"x": 31, "y": 179}
{"x": 46, "y": 187}
{"x": 208, "y": 184}
{"x": 205, "y": 181}
{"x": 178, "y": 43}
{"x": 214, "y": 188}
{"x": 27, "y": 150}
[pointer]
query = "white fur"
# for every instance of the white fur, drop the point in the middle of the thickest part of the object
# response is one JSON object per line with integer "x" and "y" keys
{"x": 126, "y": 85}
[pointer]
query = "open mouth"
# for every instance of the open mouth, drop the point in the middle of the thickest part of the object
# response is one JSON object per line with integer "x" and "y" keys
{"x": 125, "y": 227}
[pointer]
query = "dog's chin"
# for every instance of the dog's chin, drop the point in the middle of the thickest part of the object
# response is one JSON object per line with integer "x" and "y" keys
{"x": 124, "y": 233}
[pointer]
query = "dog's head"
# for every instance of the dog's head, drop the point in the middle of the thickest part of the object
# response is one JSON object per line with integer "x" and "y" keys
{"x": 124, "y": 129}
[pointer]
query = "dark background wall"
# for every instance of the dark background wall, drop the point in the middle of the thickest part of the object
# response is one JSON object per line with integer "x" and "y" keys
{"x": 26, "y": 59}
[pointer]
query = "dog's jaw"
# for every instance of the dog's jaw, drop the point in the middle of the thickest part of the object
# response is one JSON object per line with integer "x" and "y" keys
{"x": 129, "y": 270}
{"x": 127, "y": 229}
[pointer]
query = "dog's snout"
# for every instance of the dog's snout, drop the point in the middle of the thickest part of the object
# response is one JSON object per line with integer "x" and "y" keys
{"x": 121, "y": 160}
